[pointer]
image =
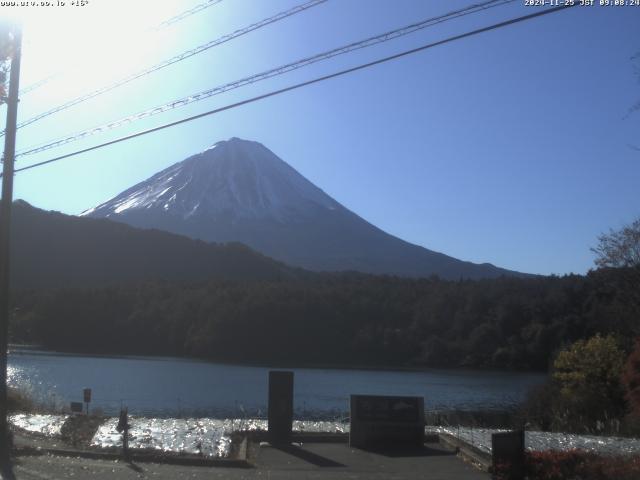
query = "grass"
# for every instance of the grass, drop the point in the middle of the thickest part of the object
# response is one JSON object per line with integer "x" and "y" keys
{"x": 79, "y": 430}
{"x": 19, "y": 402}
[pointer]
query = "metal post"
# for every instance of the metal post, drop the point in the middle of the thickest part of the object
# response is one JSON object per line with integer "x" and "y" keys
{"x": 125, "y": 441}
{"x": 123, "y": 427}
{"x": 5, "y": 223}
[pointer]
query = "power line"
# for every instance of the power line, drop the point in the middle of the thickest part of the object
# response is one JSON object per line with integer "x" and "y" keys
{"x": 38, "y": 84}
{"x": 164, "y": 24}
{"x": 187, "y": 13}
{"x": 175, "y": 59}
{"x": 306, "y": 83}
{"x": 384, "y": 37}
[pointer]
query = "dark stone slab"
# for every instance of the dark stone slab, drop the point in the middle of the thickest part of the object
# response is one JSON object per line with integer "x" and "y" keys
{"x": 508, "y": 453}
{"x": 386, "y": 422}
{"x": 280, "y": 406}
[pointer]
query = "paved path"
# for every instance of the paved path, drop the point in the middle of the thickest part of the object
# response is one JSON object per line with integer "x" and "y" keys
{"x": 330, "y": 461}
{"x": 338, "y": 461}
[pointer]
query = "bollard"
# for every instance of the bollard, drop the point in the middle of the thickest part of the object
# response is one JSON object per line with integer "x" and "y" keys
{"x": 280, "y": 406}
{"x": 507, "y": 450}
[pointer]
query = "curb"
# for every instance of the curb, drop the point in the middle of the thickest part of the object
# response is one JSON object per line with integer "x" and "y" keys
{"x": 302, "y": 437}
{"x": 144, "y": 457}
{"x": 482, "y": 459}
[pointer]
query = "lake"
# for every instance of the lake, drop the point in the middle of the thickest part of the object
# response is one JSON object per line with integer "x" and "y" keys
{"x": 165, "y": 387}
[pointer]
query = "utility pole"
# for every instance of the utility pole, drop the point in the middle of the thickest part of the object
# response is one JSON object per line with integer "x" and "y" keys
{"x": 5, "y": 224}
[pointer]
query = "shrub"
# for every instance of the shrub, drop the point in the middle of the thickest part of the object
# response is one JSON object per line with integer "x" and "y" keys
{"x": 580, "y": 465}
{"x": 18, "y": 401}
{"x": 588, "y": 375}
{"x": 538, "y": 408}
{"x": 631, "y": 380}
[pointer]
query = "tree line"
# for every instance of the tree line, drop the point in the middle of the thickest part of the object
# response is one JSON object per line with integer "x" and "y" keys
{"x": 339, "y": 319}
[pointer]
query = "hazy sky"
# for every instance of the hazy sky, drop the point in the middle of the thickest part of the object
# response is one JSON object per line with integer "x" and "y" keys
{"x": 513, "y": 147}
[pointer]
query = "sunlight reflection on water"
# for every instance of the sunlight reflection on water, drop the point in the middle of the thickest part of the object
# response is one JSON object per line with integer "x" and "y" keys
{"x": 212, "y": 437}
{"x": 49, "y": 425}
{"x": 172, "y": 387}
{"x": 199, "y": 436}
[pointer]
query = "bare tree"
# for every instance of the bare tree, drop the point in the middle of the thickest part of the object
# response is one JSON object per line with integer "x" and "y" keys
{"x": 636, "y": 69}
{"x": 619, "y": 248}
{"x": 635, "y": 60}
{"x": 6, "y": 49}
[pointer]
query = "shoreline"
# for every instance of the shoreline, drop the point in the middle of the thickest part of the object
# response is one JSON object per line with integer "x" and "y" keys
{"x": 17, "y": 349}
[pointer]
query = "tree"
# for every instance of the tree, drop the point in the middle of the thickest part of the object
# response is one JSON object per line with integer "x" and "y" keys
{"x": 6, "y": 49}
{"x": 636, "y": 67}
{"x": 631, "y": 380}
{"x": 619, "y": 248}
{"x": 588, "y": 375}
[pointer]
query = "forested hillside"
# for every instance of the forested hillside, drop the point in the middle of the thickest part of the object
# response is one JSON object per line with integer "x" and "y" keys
{"x": 50, "y": 249}
{"x": 346, "y": 319}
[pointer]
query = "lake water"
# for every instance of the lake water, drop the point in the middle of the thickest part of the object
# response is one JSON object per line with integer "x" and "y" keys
{"x": 169, "y": 387}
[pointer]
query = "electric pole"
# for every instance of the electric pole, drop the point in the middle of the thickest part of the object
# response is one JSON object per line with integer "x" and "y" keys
{"x": 5, "y": 224}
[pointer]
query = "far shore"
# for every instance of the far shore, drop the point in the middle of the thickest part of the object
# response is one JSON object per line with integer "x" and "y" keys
{"x": 30, "y": 349}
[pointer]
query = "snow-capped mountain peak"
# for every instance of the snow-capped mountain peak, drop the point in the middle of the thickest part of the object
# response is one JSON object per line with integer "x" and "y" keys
{"x": 238, "y": 190}
{"x": 233, "y": 178}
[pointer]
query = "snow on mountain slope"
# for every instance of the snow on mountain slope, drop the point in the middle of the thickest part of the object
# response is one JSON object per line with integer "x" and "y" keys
{"x": 241, "y": 179}
{"x": 238, "y": 190}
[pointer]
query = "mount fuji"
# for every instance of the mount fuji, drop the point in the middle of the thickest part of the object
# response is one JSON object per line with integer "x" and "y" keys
{"x": 238, "y": 190}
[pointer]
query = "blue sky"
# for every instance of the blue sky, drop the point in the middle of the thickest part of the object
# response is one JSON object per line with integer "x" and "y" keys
{"x": 512, "y": 147}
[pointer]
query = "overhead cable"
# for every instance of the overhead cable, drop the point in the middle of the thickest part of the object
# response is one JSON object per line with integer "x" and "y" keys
{"x": 187, "y": 13}
{"x": 172, "y": 60}
{"x": 163, "y": 24}
{"x": 303, "y": 84}
{"x": 384, "y": 37}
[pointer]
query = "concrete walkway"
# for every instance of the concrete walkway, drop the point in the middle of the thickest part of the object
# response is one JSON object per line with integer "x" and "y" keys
{"x": 339, "y": 461}
{"x": 308, "y": 461}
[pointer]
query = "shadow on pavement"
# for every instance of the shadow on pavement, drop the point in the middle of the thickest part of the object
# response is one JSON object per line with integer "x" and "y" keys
{"x": 308, "y": 456}
{"x": 134, "y": 467}
{"x": 412, "y": 452}
{"x": 6, "y": 471}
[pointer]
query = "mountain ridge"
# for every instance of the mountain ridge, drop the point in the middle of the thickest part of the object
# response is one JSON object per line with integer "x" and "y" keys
{"x": 51, "y": 249}
{"x": 239, "y": 190}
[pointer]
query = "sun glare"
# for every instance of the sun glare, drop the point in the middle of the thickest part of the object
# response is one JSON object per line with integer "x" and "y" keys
{"x": 90, "y": 44}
